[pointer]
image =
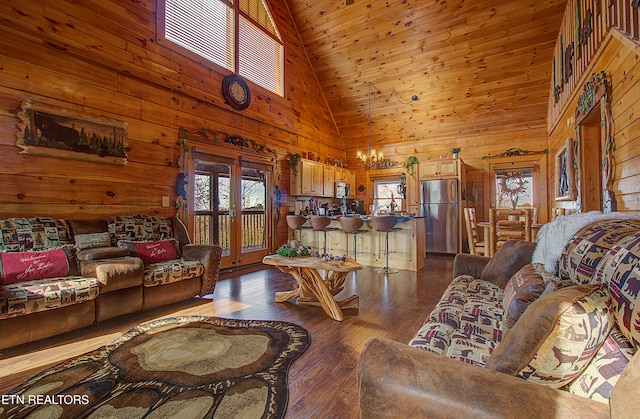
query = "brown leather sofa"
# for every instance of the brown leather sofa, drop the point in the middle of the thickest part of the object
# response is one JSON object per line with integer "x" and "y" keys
{"x": 105, "y": 280}
{"x": 397, "y": 380}
{"x": 508, "y": 375}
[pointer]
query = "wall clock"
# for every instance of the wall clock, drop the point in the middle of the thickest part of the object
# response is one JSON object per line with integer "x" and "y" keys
{"x": 236, "y": 92}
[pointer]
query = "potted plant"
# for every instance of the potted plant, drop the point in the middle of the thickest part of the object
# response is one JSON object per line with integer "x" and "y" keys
{"x": 293, "y": 162}
{"x": 455, "y": 151}
{"x": 409, "y": 163}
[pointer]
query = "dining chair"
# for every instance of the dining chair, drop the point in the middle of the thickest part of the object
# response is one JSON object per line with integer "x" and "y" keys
{"x": 557, "y": 212}
{"x": 505, "y": 224}
{"x": 534, "y": 215}
{"x": 476, "y": 246}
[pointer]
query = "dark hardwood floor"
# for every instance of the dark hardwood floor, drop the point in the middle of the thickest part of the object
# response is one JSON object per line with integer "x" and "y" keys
{"x": 322, "y": 381}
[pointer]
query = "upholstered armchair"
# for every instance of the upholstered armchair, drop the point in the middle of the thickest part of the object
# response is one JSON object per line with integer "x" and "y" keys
{"x": 174, "y": 268}
{"x": 206, "y": 254}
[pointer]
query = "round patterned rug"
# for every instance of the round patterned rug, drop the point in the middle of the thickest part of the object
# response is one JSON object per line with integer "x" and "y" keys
{"x": 186, "y": 367}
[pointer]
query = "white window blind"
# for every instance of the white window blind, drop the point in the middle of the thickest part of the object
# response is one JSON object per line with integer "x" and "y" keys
{"x": 206, "y": 28}
{"x": 260, "y": 57}
{"x": 259, "y": 12}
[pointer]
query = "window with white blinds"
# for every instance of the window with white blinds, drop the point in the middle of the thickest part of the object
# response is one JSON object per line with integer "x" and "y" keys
{"x": 260, "y": 57}
{"x": 207, "y": 28}
{"x": 203, "y": 27}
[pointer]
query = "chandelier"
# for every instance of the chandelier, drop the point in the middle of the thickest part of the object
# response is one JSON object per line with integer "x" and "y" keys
{"x": 369, "y": 159}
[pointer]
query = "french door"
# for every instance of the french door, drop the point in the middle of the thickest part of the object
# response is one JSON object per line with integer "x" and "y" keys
{"x": 232, "y": 207}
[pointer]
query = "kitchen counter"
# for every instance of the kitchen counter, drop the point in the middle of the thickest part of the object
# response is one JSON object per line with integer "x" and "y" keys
{"x": 367, "y": 218}
{"x": 407, "y": 246}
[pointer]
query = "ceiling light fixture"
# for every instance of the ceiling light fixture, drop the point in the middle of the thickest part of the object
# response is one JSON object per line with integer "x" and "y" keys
{"x": 369, "y": 159}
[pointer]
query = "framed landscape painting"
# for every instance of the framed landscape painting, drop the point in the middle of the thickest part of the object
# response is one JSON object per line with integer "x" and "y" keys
{"x": 47, "y": 131}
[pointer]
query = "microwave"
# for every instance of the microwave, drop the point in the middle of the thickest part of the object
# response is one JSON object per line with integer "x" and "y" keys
{"x": 342, "y": 190}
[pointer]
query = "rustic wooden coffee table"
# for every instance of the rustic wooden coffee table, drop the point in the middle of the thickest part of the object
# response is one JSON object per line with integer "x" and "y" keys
{"x": 312, "y": 288}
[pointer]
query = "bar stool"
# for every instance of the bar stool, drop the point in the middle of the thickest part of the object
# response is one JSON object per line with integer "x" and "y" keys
{"x": 351, "y": 225}
{"x": 321, "y": 223}
{"x": 386, "y": 224}
{"x": 295, "y": 223}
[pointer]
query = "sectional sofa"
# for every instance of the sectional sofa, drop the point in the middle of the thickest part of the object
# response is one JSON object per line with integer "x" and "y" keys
{"x": 532, "y": 332}
{"x": 60, "y": 275}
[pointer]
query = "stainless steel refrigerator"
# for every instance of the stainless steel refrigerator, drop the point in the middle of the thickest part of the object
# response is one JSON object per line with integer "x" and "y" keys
{"x": 439, "y": 206}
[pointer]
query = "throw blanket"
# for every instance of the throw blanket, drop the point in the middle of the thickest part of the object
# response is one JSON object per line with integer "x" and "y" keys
{"x": 553, "y": 236}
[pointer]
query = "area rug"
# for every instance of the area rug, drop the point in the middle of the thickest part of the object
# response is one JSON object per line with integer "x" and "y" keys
{"x": 180, "y": 367}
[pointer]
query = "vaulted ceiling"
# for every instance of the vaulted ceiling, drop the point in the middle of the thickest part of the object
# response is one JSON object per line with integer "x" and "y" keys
{"x": 477, "y": 67}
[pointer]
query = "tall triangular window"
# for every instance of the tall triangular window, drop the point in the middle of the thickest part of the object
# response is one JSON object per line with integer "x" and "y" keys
{"x": 239, "y": 35}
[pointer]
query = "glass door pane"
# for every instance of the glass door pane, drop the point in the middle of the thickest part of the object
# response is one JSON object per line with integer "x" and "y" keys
{"x": 232, "y": 208}
{"x": 254, "y": 214}
{"x": 202, "y": 207}
{"x": 212, "y": 206}
{"x": 224, "y": 211}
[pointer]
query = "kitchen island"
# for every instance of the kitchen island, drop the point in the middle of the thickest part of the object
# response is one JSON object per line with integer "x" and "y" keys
{"x": 406, "y": 246}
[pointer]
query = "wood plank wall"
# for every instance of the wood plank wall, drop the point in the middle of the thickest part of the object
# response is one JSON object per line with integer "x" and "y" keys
{"x": 101, "y": 59}
{"x": 613, "y": 48}
{"x": 583, "y": 31}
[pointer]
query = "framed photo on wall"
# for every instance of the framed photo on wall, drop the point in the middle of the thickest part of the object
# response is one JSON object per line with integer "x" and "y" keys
{"x": 45, "y": 130}
{"x": 565, "y": 180}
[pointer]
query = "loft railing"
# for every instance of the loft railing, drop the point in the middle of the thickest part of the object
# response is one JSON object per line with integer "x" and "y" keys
{"x": 210, "y": 231}
{"x": 584, "y": 28}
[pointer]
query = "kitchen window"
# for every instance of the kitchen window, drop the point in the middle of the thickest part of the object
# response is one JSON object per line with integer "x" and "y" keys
{"x": 387, "y": 196}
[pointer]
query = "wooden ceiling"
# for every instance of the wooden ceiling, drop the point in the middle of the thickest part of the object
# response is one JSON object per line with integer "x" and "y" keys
{"x": 478, "y": 67}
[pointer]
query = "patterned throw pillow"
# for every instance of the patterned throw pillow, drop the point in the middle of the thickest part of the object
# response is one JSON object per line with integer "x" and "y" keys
{"x": 526, "y": 286}
{"x": 30, "y": 266}
{"x": 153, "y": 252}
{"x": 508, "y": 260}
{"x": 620, "y": 270}
{"x": 582, "y": 254}
{"x": 92, "y": 240}
{"x": 139, "y": 228}
{"x": 522, "y": 289}
{"x": 597, "y": 381}
{"x": 33, "y": 234}
{"x": 556, "y": 337}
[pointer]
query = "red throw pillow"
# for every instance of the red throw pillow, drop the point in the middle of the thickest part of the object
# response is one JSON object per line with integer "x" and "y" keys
{"x": 152, "y": 252}
{"x": 28, "y": 266}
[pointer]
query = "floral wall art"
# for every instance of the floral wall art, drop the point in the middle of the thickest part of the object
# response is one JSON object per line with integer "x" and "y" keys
{"x": 513, "y": 189}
